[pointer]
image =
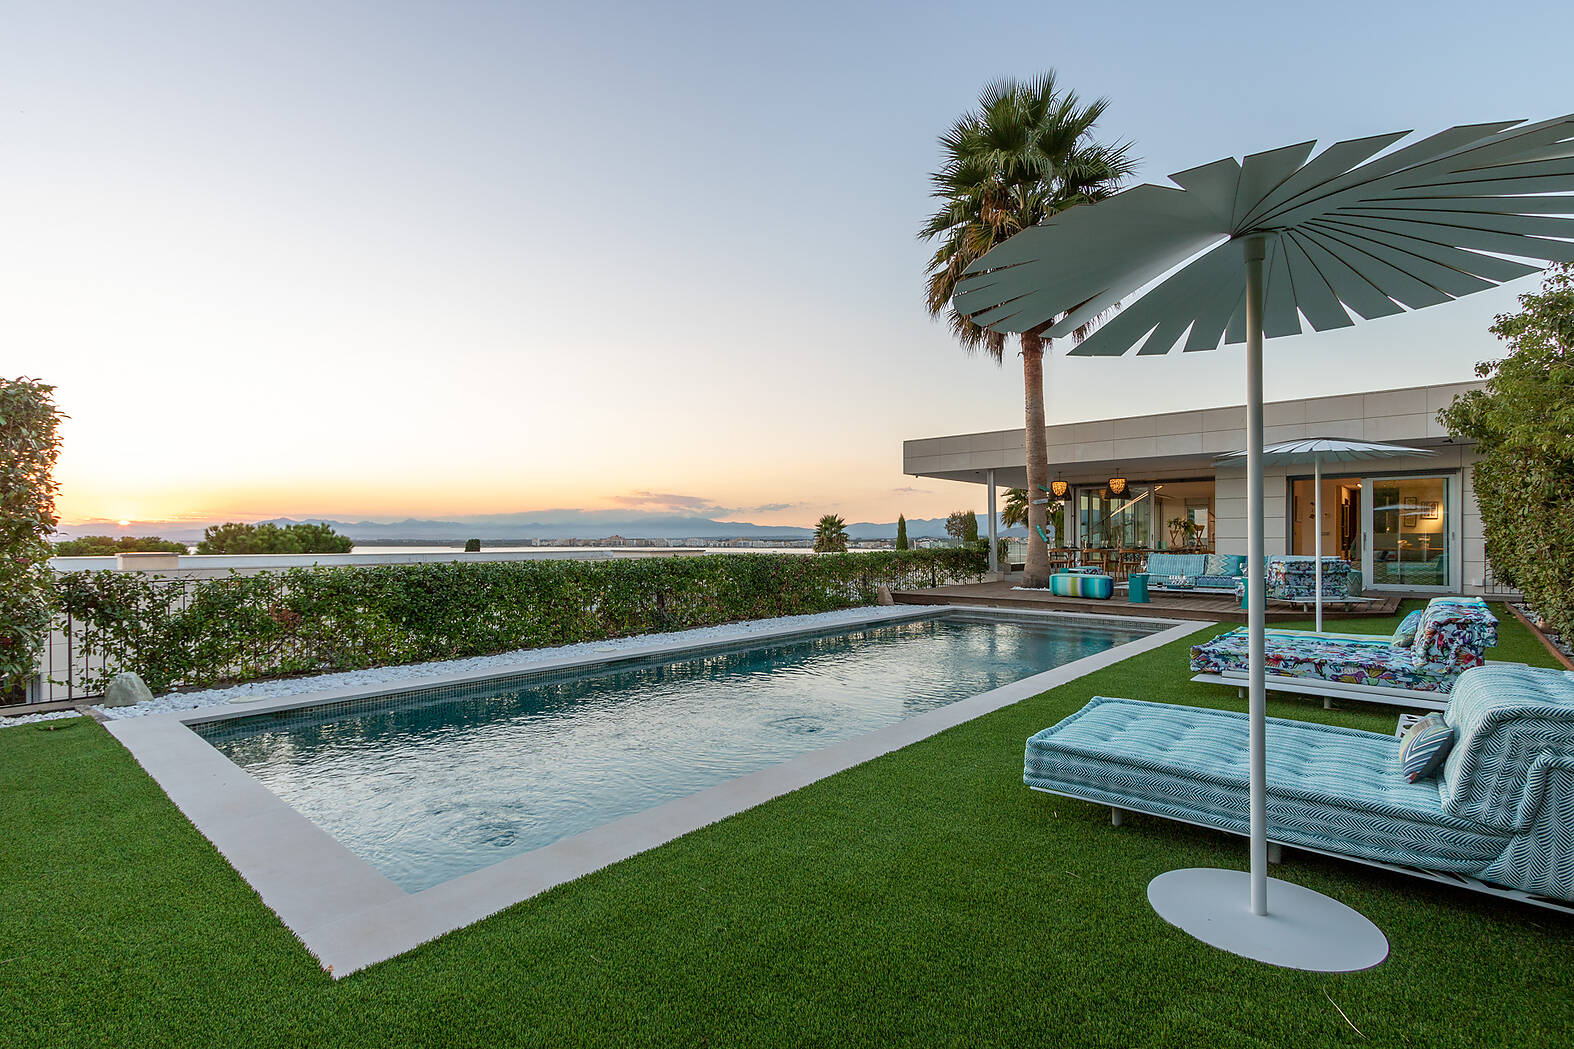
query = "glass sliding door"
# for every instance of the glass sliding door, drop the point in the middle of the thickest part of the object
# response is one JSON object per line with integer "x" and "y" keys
{"x": 1107, "y": 520}
{"x": 1342, "y": 518}
{"x": 1409, "y": 525}
{"x": 1163, "y": 515}
{"x": 1183, "y": 515}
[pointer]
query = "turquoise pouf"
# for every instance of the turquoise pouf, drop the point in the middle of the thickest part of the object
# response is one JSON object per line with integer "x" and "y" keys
{"x": 1068, "y": 584}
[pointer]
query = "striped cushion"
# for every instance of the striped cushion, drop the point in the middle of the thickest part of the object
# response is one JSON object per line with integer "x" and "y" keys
{"x": 1407, "y": 630}
{"x": 1508, "y": 720}
{"x": 1424, "y": 747}
{"x": 1221, "y": 565}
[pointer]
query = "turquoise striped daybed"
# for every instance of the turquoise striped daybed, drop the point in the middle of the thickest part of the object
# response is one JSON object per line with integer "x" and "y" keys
{"x": 1500, "y": 816}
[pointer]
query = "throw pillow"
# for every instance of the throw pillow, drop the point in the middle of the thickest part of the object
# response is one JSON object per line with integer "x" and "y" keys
{"x": 1219, "y": 565}
{"x": 1406, "y": 634}
{"x": 1424, "y": 747}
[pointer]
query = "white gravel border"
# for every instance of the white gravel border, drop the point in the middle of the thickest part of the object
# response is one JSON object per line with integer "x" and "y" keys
{"x": 28, "y": 719}
{"x": 522, "y": 659}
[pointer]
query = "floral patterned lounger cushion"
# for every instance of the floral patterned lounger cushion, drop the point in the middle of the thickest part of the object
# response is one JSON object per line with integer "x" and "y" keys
{"x": 1345, "y": 660}
{"x": 1453, "y": 635}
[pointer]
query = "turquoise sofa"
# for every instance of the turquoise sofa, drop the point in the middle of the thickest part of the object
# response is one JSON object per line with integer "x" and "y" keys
{"x": 1499, "y": 813}
{"x": 1221, "y": 574}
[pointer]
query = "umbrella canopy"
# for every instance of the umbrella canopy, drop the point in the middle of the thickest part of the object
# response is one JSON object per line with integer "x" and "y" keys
{"x": 1419, "y": 226}
{"x": 1326, "y": 450}
{"x": 1355, "y": 230}
{"x": 1319, "y": 450}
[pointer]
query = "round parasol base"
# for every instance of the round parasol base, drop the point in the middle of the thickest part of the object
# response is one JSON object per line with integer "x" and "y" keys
{"x": 1303, "y": 929}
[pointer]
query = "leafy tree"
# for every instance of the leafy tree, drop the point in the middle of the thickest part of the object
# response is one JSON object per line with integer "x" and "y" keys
{"x": 901, "y": 532}
{"x": 29, "y": 446}
{"x": 830, "y": 535}
{"x": 962, "y": 524}
{"x": 104, "y": 545}
{"x": 472, "y": 546}
{"x": 236, "y": 537}
{"x": 1024, "y": 155}
{"x": 1523, "y": 424}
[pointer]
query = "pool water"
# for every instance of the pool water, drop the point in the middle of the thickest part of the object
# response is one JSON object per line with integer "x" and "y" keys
{"x": 435, "y": 783}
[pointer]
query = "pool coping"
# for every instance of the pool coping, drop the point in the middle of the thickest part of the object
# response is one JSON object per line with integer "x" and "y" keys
{"x": 350, "y": 916}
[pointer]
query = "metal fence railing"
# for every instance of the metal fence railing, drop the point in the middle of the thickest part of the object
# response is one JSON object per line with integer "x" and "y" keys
{"x": 1491, "y": 586}
{"x": 71, "y": 667}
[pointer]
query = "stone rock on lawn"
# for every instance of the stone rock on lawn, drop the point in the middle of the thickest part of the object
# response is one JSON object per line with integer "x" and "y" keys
{"x": 126, "y": 689}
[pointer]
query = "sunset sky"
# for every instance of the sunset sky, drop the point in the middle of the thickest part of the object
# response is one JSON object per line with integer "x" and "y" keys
{"x": 385, "y": 260}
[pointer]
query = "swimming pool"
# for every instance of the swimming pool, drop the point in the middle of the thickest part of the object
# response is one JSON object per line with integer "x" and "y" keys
{"x": 437, "y": 782}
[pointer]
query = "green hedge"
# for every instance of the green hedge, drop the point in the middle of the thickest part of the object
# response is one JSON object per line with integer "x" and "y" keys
{"x": 1523, "y": 424}
{"x": 195, "y": 633}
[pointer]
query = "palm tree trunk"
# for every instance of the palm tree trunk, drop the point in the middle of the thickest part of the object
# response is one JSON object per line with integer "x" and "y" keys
{"x": 1036, "y": 571}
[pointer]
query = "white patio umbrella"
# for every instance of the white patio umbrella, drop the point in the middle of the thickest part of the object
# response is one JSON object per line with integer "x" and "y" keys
{"x": 1319, "y": 450}
{"x": 1353, "y": 229}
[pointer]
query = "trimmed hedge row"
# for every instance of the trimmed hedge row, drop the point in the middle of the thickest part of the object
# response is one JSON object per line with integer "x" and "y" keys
{"x": 196, "y": 633}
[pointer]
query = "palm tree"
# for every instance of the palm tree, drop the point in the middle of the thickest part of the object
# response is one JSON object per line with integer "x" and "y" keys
{"x": 1014, "y": 514}
{"x": 830, "y": 535}
{"x": 1026, "y": 154}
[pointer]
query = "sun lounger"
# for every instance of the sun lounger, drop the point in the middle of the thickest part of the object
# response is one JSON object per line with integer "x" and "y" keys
{"x": 1495, "y": 819}
{"x": 1451, "y": 635}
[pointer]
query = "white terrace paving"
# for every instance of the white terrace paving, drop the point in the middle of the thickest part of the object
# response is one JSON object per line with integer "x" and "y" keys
{"x": 350, "y": 916}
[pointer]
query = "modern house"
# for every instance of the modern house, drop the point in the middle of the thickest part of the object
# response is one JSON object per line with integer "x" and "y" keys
{"x": 1407, "y": 524}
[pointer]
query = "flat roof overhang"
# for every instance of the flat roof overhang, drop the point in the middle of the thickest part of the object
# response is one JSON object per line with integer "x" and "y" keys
{"x": 1175, "y": 445}
{"x": 1137, "y": 468}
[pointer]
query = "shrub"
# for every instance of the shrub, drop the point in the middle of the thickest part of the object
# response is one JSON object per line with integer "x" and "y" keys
{"x": 29, "y": 445}
{"x": 234, "y": 537}
{"x": 179, "y": 633}
{"x": 472, "y": 546}
{"x": 102, "y": 545}
{"x": 1523, "y": 424}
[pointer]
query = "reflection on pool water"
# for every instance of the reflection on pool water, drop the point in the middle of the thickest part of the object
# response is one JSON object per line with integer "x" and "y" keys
{"x": 438, "y": 782}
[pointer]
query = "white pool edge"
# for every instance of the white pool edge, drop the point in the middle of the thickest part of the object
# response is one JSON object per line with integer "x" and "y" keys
{"x": 350, "y": 916}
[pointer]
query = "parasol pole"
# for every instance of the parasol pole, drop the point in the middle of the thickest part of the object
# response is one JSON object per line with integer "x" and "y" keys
{"x": 1256, "y": 577}
{"x": 1317, "y": 527}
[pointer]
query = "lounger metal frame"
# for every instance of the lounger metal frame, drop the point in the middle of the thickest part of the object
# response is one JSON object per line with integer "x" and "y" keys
{"x": 1398, "y": 697}
{"x": 1460, "y": 881}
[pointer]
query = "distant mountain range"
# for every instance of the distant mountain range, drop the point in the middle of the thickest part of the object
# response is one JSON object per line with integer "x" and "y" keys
{"x": 539, "y": 525}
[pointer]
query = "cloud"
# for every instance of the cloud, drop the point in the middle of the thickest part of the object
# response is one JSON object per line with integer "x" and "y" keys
{"x": 911, "y": 490}
{"x": 672, "y": 502}
{"x": 646, "y": 500}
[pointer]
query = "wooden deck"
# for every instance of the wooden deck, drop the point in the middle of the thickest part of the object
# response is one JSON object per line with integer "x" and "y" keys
{"x": 1220, "y": 608}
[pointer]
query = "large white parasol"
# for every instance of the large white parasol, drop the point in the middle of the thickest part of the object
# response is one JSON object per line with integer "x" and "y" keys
{"x": 1319, "y": 450}
{"x": 1355, "y": 229}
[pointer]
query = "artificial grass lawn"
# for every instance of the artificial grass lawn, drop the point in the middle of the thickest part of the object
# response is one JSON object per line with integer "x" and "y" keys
{"x": 926, "y": 897}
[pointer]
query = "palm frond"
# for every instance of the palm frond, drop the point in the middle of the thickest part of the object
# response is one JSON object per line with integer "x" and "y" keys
{"x": 1023, "y": 155}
